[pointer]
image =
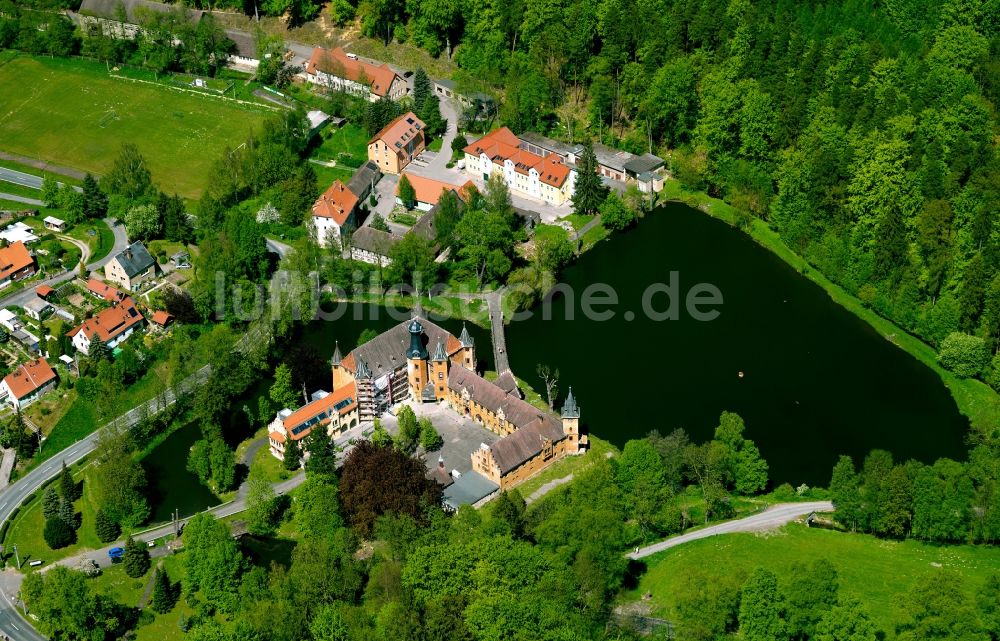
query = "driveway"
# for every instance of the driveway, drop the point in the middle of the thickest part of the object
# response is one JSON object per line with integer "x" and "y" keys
{"x": 773, "y": 517}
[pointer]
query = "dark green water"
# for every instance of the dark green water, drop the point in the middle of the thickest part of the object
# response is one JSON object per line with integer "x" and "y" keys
{"x": 818, "y": 381}
{"x": 171, "y": 485}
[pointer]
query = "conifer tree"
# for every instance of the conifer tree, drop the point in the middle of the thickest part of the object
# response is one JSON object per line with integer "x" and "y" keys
{"x": 293, "y": 455}
{"x": 50, "y": 503}
{"x": 163, "y": 597}
{"x": 422, "y": 89}
{"x": 67, "y": 486}
{"x": 322, "y": 457}
{"x": 66, "y": 513}
{"x": 407, "y": 193}
{"x": 106, "y": 529}
{"x": 136, "y": 558}
{"x": 589, "y": 192}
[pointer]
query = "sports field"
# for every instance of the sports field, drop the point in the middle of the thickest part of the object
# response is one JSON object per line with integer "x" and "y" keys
{"x": 71, "y": 113}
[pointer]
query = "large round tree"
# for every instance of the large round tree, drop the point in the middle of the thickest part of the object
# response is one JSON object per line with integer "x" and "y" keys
{"x": 381, "y": 480}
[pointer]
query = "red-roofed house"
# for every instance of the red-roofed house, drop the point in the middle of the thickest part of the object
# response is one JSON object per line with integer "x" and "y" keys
{"x": 44, "y": 291}
{"x": 545, "y": 177}
{"x": 112, "y": 325}
{"x": 337, "y": 412}
{"x": 16, "y": 263}
{"x": 104, "y": 291}
{"x": 161, "y": 318}
{"x": 27, "y": 383}
{"x": 397, "y": 144}
{"x": 340, "y": 71}
{"x": 332, "y": 211}
{"x": 429, "y": 190}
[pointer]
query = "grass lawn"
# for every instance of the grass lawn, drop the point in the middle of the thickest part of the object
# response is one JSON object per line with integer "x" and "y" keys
{"x": 879, "y": 573}
{"x": 100, "y": 242}
{"x": 342, "y": 145}
{"x": 578, "y": 220}
{"x": 14, "y": 205}
{"x": 20, "y": 190}
{"x": 974, "y": 398}
{"x": 26, "y": 529}
{"x": 551, "y": 232}
{"x": 436, "y": 144}
{"x": 273, "y": 469}
{"x": 599, "y": 449}
{"x": 69, "y": 112}
{"x": 325, "y": 176}
{"x": 593, "y": 236}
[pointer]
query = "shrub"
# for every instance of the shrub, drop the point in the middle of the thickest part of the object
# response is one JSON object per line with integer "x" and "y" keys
{"x": 136, "y": 558}
{"x": 963, "y": 354}
{"x": 58, "y": 533}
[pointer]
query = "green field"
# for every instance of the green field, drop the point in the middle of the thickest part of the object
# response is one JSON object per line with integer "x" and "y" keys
{"x": 879, "y": 573}
{"x": 71, "y": 113}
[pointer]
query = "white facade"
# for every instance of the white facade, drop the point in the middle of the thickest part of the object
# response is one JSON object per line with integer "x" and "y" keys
{"x": 327, "y": 231}
{"x": 7, "y": 396}
{"x": 82, "y": 342}
{"x": 530, "y": 185}
{"x": 9, "y": 320}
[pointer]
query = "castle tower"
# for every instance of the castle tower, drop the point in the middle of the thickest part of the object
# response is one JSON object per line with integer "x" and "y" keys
{"x": 571, "y": 423}
{"x": 416, "y": 359}
{"x": 469, "y": 349}
{"x": 439, "y": 372}
{"x": 341, "y": 376}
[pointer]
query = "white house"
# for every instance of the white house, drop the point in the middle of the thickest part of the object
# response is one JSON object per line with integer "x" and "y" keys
{"x": 27, "y": 383}
{"x": 9, "y": 320}
{"x": 112, "y": 326}
{"x": 525, "y": 172}
{"x": 340, "y": 71}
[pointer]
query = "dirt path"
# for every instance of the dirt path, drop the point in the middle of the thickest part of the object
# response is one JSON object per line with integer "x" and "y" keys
{"x": 82, "y": 246}
{"x": 44, "y": 166}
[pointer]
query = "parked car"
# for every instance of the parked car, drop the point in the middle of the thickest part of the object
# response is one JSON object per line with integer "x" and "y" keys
{"x": 116, "y": 554}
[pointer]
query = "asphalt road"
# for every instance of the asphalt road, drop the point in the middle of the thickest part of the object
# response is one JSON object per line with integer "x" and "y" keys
{"x": 21, "y": 297}
{"x": 11, "y": 622}
{"x": 34, "y": 202}
{"x": 772, "y": 517}
{"x": 23, "y": 179}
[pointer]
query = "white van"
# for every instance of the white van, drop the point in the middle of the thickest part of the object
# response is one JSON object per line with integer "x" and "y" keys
{"x": 352, "y": 56}
{"x": 35, "y": 563}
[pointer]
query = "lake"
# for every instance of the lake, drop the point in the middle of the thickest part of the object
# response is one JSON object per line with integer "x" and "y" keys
{"x": 817, "y": 381}
{"x": 171, "y": 486}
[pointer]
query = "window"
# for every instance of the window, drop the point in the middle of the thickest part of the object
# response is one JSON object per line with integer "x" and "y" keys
{"x": 440, "y": 376}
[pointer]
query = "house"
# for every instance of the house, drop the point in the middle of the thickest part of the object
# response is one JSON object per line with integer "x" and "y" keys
{"x": 181, "y": 260}
{"x": 104, "y": 291}
{"x": 470, "y": 488}
{"x": 9, "y": 320}
{"x": 112, "y": 326}
{"x": 55, "y": 224}
{"x": 362, "y": 183}
{"x": 28, "y": 340}
{"x": 44, "y": 291}
{"x": 18, "y": 233}
{"x": 16, "y": 263}
{"x": 244, "y": 54}
{"x": 36, "y": 307}
{"x": 333, "y": 211}
{"x": 161, "y": 318}
{"x": 131, "y": 268}
{"x": 373, "y": 246}
{"x": 449, "y": 89}
{"x": 397, "y": 144}
{"x": 340, "y": 71}
{"x": 336, "y": 412}
{"x": 317, "y": 120}
{"x": 543, "y": 176}
{"x": 428, "y": 190}
{"x": 122, "y": 18}
{"x": 27, "y": 383}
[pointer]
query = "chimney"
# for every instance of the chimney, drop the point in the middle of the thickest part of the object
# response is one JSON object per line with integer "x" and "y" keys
{"x": 440, "y": 462}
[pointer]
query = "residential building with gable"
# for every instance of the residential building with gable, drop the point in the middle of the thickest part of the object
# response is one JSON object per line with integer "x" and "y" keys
{"x": 27, "y": 383}
{"x": 335, "y": 412}
{"x": 16, "y": 263}
{"x": 332, "y": 212}
{"x": 112, "y": 326}
{"x": 397, "y": 143}
{"x": 131, "y": 268}
{"x": 339, "y": 71}
{"x": 546, "y": 177}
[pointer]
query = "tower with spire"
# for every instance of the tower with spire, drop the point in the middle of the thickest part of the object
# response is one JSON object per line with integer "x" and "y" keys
{"x": 341, "y": 375}
{"x": 571, "y": 423}
{"x": 439, "y": 372}
{"x": 468, "y": 349}
{"x": 416, "y": 359}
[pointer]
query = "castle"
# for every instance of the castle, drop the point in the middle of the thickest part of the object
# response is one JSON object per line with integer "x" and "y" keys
{"x": 398, "y": 365}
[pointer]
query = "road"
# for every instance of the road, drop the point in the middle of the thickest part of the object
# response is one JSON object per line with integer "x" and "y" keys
{"x": 23, "y": 179}
{"x": 21, "y": 297}
{"x": 11, "y": 623}
{"x": 772, "y": 517}
{"x": 277, "y": 247}
{"x": 34, "y": 202}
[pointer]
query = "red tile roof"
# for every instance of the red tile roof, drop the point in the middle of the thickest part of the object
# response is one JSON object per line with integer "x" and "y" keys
{"x": 321, "y": 408}
{"x": 161, "y": 317}
{"x": 29, "y": 377}
{"x": 336, "y": 63}
{"x": 109, "y": 323}
{"x": 501, "y": 144}
{"x": 400, "y": 131}
{"x": 103, "y": 290}
{"x": 14, "y": 258}
{"x": 44, "y": 291}
{"x": 430, "y": 190}
{"x": 337, "y": 202}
